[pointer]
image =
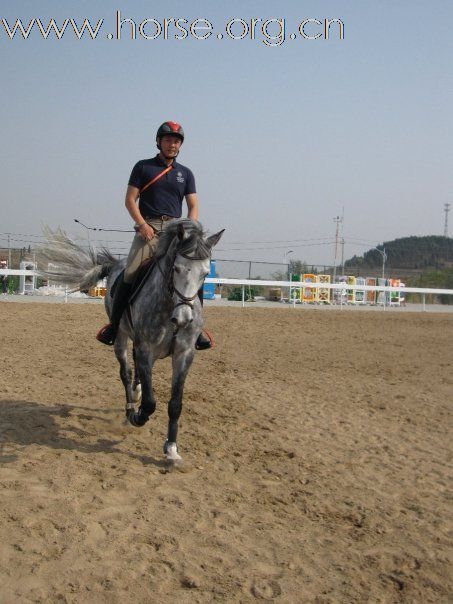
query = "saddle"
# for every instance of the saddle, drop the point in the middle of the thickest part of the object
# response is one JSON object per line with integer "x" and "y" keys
{"x": 142, "y": 275}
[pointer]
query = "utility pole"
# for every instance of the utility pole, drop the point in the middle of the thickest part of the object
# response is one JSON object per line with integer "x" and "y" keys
{"x": 337, "y": 221}
{"x": 286, "y": 263}
{"x": 9, "y": 251}
{"x": 446, "y": 210}
{"x": 342, "y": 255}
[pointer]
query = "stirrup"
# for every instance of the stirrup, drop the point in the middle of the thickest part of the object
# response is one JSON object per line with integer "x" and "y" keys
{"x": 106, "y": 335}
{"x": 207, "y": 343}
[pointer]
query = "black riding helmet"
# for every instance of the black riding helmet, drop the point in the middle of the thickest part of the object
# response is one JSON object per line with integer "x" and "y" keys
{"x": 172, "y": 128}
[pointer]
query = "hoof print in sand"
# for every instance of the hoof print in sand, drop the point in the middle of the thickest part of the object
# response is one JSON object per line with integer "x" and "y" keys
{"x": 265, "y": 590}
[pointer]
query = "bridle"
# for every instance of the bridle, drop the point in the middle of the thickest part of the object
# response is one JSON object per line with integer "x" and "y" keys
{"x": 172, "y": 289}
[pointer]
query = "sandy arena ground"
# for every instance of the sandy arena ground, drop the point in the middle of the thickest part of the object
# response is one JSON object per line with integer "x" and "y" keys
{"x": 316, "y": 470}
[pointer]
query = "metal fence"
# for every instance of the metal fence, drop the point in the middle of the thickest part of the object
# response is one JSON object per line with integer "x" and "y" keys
{"x": 253, "y": 269}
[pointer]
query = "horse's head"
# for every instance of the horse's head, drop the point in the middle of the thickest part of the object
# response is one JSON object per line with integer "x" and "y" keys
{"x": 190, "y": 268}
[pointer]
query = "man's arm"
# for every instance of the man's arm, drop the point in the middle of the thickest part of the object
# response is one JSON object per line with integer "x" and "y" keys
{"x": 192, "y": 206}
{"x": 132, "y": 194}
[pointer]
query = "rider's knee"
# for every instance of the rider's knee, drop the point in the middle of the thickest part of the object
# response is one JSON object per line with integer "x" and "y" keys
{"x": 129, "y": 275}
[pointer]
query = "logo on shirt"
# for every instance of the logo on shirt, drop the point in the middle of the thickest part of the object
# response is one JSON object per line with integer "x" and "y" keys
{"x": 180, "y": 177}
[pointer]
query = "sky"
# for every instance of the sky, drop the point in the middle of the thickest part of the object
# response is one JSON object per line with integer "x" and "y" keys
{"x": 282, "y": 138}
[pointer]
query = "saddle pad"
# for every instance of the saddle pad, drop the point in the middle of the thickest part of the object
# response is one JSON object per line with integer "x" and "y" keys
{"x": 142, "y": 276}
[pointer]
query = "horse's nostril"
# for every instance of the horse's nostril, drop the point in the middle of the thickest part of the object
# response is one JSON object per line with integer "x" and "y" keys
{"x": 174, "y": 321}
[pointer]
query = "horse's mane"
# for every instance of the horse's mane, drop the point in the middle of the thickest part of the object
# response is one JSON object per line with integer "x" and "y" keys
{"x": 193, "y": 243}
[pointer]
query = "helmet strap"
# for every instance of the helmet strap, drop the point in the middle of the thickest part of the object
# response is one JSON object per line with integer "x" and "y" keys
{"x": 172, "y": 159}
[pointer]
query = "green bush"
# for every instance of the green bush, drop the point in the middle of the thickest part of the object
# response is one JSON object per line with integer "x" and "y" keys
{"x": 249, "y": 294}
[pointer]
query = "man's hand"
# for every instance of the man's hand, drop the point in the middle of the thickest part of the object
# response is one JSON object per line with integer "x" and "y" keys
{"x": 146, "y": 232}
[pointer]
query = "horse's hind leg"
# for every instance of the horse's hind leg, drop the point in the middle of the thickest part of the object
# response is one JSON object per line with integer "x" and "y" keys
{"x": 120, "y": 348}
{"x": 181, "y": 365}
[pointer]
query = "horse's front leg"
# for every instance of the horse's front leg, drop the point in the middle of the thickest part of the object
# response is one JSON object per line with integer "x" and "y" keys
{"x": 120, "y": 348}
{"x": 136, "y": 385}
{"x": 148, "y": 404}
{"x": 182, "y": 360}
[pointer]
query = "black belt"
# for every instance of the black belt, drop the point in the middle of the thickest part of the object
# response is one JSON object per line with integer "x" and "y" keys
{"x": 165, "y": 218}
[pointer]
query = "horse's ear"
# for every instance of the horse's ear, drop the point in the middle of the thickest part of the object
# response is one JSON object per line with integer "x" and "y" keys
{"x": 214, "y": 239}
{"x": 182, "y": 235}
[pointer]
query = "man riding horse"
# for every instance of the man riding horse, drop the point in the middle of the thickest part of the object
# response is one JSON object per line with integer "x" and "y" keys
{"x": 160, "y": 184}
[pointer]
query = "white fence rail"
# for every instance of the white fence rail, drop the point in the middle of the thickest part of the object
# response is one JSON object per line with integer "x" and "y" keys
{"x": 338, "y": 286}
{"x": 342, "y": 287}
{"x": 19, "y": 273}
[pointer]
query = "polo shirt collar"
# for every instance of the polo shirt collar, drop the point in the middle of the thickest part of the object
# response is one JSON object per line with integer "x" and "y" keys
{"x": 163, "y": 164}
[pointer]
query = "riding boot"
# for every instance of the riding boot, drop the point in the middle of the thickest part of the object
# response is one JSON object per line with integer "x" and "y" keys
{"x": 107, "y": 334}
{"x": 204, "y": 342}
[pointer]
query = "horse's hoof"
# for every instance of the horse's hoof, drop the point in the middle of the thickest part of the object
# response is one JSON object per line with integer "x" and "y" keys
{"x": 171, "y": 453}
{"x": 138, "y": 418}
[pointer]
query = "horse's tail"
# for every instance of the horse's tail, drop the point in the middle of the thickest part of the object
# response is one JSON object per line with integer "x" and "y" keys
{"x": 70, "y": 264}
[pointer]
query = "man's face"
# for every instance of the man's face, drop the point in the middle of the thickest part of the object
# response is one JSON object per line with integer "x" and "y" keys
{"x": 170, "y": 145}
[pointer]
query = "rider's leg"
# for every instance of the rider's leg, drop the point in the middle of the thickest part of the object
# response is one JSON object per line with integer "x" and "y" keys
{"x": 108, "y": 333}
{"x": 140, "y": 251}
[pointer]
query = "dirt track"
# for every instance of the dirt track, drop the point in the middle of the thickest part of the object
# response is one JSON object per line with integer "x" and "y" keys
{"x": 316, "y": 455}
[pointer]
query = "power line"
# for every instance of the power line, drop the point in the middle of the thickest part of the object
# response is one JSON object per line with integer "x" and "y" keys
{"x": 276, "y": 247}
{"x": 18, "y": 237}
{"x": 286, "y": 241}
{"x": 279, "y": 241}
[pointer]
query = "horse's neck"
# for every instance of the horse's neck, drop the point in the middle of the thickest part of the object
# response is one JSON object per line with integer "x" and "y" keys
{"x": 158, "y": 284}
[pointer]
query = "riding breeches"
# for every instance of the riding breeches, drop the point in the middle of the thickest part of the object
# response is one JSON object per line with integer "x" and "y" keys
{"x": 142, "y": 250}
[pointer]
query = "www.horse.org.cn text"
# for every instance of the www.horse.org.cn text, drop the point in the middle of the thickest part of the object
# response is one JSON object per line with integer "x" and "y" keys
{"x": 271, "y": 32}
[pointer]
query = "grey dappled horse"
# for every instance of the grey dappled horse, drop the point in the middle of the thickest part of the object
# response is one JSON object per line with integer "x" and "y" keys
{"x": 163, "y": 320}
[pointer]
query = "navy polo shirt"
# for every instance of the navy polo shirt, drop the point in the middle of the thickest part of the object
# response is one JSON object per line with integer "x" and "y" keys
{"x": 166, "y": 195}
